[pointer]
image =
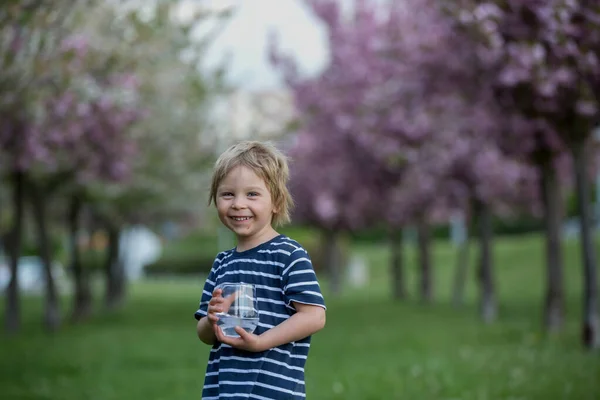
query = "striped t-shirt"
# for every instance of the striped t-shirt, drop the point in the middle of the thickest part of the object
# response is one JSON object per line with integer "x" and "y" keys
{"x": 282, "y": 273}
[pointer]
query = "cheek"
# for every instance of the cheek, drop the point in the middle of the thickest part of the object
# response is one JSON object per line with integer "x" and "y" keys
{"x": 222, "y": 207}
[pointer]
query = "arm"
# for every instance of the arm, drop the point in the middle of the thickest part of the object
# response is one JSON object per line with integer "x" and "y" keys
{"x": 204, "y": 328}
{"x": 206, "y": 332}
{"x": 307, "y": 320}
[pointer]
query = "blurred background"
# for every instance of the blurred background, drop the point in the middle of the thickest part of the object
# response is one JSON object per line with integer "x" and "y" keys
{"x": 444, "y": 159}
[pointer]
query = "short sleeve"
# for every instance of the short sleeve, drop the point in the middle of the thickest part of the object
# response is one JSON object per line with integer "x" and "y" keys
{"x": 300, "y": 283}
{"x": 209, "y": 287}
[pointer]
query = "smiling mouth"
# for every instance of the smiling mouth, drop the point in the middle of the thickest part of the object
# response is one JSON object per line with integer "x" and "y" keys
{"x": 240, "y": 218}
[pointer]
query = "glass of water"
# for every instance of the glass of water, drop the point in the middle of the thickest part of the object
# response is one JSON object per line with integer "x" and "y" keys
{"x": 240, "y": 308}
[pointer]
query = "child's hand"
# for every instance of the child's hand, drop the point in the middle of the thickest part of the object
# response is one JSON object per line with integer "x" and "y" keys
{"x": 219, "y": 304}
{"x": 215, "y": 305}
{"x": 246, "y": 341}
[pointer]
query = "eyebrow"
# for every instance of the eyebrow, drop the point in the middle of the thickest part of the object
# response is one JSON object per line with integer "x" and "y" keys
{"x": 257, "y": 188}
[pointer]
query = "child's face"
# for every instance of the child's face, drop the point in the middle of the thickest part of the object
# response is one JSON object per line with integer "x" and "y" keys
{"x": 245, "y": 206}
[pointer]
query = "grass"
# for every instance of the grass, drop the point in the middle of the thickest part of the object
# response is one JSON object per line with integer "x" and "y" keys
{"x": 372, "y": 347}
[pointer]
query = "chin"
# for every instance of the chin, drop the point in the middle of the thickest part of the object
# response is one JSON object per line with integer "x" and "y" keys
{"x": 243, "y": 232}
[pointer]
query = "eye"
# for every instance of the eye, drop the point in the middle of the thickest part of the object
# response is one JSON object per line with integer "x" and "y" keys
{"x": 253, "y": 194}
{"x": 226, "y": 194}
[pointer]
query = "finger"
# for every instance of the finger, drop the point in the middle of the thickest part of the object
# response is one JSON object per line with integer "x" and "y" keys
{"x": 243, "y": 334}
{"x": 217, "y": 292}
{"x": 215, "y": 309}
{"x": 213, "y": 318}
{"x": 221, "y": 336}
{"x": 216, "y": 300}
{"x": 218, "y": 332}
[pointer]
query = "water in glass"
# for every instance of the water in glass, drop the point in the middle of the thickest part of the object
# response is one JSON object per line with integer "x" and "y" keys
{"x": 240, "y": 308}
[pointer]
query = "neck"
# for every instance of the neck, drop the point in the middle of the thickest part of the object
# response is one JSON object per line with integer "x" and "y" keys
{"x": 249, "y": 243}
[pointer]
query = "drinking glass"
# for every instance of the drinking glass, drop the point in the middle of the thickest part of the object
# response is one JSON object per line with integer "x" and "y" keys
{"x": 241, "y": 308}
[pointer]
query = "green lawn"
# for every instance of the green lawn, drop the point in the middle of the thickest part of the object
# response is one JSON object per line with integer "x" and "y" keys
{"x": 371, "y": 348}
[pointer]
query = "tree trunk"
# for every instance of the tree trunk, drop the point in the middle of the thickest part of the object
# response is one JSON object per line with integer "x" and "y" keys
{"x": 488, "y": 303}
{"x": 591, "y": 323}
{"x": 13, "y": 304}
{"x": 82, "y": 301}
{"x": 424, "y": 243}
{"x": 121, "y": 274}
{"x": 397, "y": 264}
{"x": 115, "y": 272}
{"x": 51, "y": 312}
{"x": 554, "y": 304}
{"x": 333, "y": 260}
{"x": 460, "y": 273}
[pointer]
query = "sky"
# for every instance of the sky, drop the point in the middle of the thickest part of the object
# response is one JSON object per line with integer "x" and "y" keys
{"x": 244, "y": 40}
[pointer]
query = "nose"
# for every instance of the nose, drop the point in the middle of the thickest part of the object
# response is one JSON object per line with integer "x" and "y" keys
{"x": 238, "y": 203}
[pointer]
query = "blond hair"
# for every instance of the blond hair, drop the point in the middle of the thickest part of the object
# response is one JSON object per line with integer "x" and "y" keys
{"x": 266, "y": 161}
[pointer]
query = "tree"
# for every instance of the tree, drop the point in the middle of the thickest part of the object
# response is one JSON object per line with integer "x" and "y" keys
{"x": 403, "y": 90}
{"x": 172, "y": 153}
{"x": 69, "y": 102}
{"x": 547, "y": 53}
{"x": 330, "y": 109}
{"x": 389, "y": 89}
{"x": 34, "y": 33}
{"x": 335, "y": 185}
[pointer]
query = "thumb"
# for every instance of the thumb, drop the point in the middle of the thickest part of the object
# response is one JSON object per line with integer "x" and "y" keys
{"x": 243, "y": 334}
{"x": 218, "y": 333}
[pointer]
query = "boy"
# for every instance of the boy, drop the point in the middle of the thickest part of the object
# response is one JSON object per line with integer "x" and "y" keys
{"x": 249, "y": 189}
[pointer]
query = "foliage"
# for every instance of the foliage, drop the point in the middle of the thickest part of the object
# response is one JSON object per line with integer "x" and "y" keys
{"x": 408, "y": 129}
{"x": 548, "y": 53}
{"x": 173, "y": 154}
{"x": 182, "y": 265}
{"x": 193, "y": 254}
{"x": 75, "y": 79}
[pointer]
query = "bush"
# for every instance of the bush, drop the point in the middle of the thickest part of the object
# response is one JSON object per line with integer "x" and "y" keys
{"x": 93, "y": 260}
{"x": 502, "y": 227}
{"x": 30, "y": 248}
{"x": 190, "y": 255}
{"x": 183, "y": 265}
{"x": 518, "y": 226}
{"x": 195, "y": 253}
